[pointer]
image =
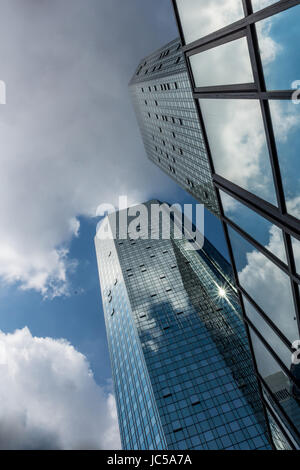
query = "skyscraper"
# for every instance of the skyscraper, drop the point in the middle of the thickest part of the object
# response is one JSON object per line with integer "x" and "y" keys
{"x": 244, "y": 71}
{"x": 167, "y": 117}
{"x": 182, "y": 370}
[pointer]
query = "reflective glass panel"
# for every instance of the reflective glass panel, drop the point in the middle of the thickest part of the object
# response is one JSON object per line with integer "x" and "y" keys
{"x": 201, "y": 17}
{"x": 260, "y": 4}
{"x": 266, "y": 331}
{"x": 296, "y": 250}
{"x": 227, "y": 64}
{"x": 267, "y": 234}
{"x": 238, "y": 144}
{"x": 286, "y": 122}
{"x": 279, "y": 38}
{"x": 268, "y": 285}
{"x": 279, "y": 383}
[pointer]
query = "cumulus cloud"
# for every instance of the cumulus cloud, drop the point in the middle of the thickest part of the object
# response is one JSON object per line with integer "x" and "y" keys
{"x": 200, "y": 18}
{"x": 51, "y": 400}
{"x": 269, "y": 286}
{"x": 238, "y": 143}
{"x": 68, "y": 136}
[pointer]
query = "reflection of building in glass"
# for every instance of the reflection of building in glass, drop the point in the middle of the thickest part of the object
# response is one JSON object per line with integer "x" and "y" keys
{"x": 167, "y": 117}
{"x": 182, "y": 370}
{"x": 251, "y": 131}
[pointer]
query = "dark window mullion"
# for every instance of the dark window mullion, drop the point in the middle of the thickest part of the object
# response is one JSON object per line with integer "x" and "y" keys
{"x": 268, "y": 254}
{"x": 235, "y": 273}
{"x": 266, "y": 318}
{"x": 288, "y": 419}
{"x": 265, "y": 209}
{"x": 240, "y": 24}
{"x": 271, "y": 411}
{"x": 294, "y": 285}
{"x": 273, "y": 353}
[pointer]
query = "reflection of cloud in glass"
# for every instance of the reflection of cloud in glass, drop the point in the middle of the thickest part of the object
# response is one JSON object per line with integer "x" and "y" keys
{"x": 238, "y": 144}
{"x": 296, "y": 250}
{"x": 202, "y": 17}
{"x": 286, "y": 122}
{"x": 268, "y": 47}
{"x": 238, "y": 66}
{"x": 267, "y": 332}
{"x": 278, "y": 39}
{"x": 268, "y": 285}
{"x": 258, "y": 227}
{"x": 259, "y": 4}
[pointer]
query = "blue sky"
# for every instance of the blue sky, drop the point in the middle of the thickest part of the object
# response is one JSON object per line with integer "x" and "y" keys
{"x": 79, "y": 316}
{"x": 69, "y": 142}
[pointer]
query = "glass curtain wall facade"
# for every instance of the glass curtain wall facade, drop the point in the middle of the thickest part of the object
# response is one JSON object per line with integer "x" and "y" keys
{"x": 182, "y": 369}
{"x": 243, "y": 59}
{"x": 167, "y": 118}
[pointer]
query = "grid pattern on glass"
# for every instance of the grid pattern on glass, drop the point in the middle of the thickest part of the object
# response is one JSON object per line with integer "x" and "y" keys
{"x": 278, "y": 38}
{"x": 208, "y": 66}
{"x": 280, "y": 384}
{"x": 280, "y": 348}
{"x": 267, "y": 284}
{"x": 279, "y": 439}
{"x": 139, "y": 421}
{"x": 260, "y": 4}
{"x": 238, "y": 144}
{"x": 273, "y": 46}
{"x": 296, "y": 251}
{"x": 202, "y": 17}
{"x": 168, "y": 122}
{"x": 286, "y": 122}
{"x": 268, "y": 235}
{"x": 193, "y": 343}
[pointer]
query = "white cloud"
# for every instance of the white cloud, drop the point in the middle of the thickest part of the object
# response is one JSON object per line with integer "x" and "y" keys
{"x": 68, "y": 136}
{"x": 238, "y": 144}
{"x": 270, "y": 286}
{"x": 269, "y": 48}
{"x": 200, "y": 18}
{"x": 51, "y": 400}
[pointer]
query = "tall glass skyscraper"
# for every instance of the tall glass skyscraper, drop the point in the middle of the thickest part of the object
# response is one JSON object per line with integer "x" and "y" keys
{"x": 243, "y": 60}
{"x": 181, "y": 365}
{"x": 167, "y": 117}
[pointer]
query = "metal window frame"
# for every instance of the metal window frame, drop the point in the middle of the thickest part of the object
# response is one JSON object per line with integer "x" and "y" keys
{"x": 276, "y": 215}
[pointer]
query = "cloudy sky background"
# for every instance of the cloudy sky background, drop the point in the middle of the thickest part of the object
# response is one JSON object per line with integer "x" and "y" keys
{"x": 68, "y": 142}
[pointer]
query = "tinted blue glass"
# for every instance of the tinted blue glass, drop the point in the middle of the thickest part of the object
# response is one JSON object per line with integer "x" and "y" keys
{"x": 286, "y": 121}
{"x": 267, "y": 284}
{"x": 296, "y": 250}
{"x": 282, "y": 387}
{"x": 238, "y": 144}
{"x": 279, "y": 38}
{"x": 262, "y": 326}
{"x": 182, "y": 367}
{"x": 267, "y": 234}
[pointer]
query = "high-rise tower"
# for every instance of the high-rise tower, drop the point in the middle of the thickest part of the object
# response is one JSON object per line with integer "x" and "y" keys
{"x": 243, "y": 65}
{"x": 167, "y": 117}
{"x": 181, "y": 366}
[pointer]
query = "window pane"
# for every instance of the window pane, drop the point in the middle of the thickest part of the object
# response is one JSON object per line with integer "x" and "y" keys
{"x": 267, "y": 234}
{"x": 268, "y": 285}
{"x": 201, "y": 17}
{"x": 296, "y": 249}
{"x": 281, "y": 386}
{"x": 280, "y": 441}
{"x": 279, "y": 38}
{"x": 286, "y": 121}
{"x": 238, "y": 144}
{"x": 260, "y": 4}
{"x": 266, "y": 331}
{"x": 227, "y": 64}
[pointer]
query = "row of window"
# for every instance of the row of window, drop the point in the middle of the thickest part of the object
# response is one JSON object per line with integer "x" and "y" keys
{"x": 162, "y": 87}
